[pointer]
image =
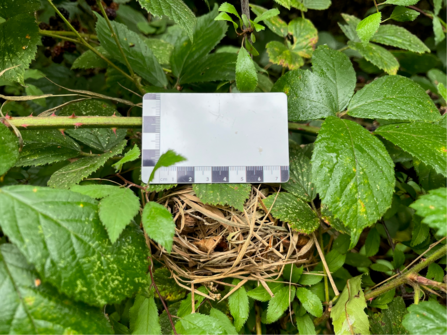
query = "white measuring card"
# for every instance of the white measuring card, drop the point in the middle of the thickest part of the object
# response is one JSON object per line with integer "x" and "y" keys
{"x": 225, "y": 137}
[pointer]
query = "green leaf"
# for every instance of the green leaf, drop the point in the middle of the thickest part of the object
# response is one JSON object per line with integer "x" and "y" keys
{"x": 225, "y": 17}
{"x": 161, "y": 187}
{"x": 268, "y": 14}
{"x": 293, "y": 273}
{"x": 130, "y": 156}
{"x": 136, "y": 50}
{"x": 377, "y": 55}
{"x": 428, "y": 317}
{"x": 433, "y": 208}
{"x": 438, "y": 5}
{"x": 390, "y": 320}
{"x": 424, "y": 141}
{"x": 398, "y": 258}
{"x": 310, "y": 301}
{"x": 438, "y": 30}
{"x": 176, "y": 10}
{"x": 280, "y": 54}
{"x": 275, "y": 24}
{"x": 353, "y": 173}
{"x": 229, "y": 8}
{"x": 158, "y": 224}
{"x": 305, "y": 36}
{"x": 420, "y": 231}
{"x": 60, "y": 233}
{"x": 19, "y": 37}
{"x": 186, "y": 304}
{"x": 246, "y": 77}
{"x": 169, "y": 158}
{"x": 338, "y": 69}
{"x": 383, "y": 300}
{"x": 260, "y": 293}
{"x": 372, "y": 243}
{"x": 310, "y": 279}
{"x": 289, "y": 208}
{"x": 402, "y": 2}
{"x": 393, "y": 97}
{"x": 368, "y": 27}
{"x": 147, "y": 319}
{"x": 435, "y": 272}
{"x": 348, "y": 314}
{"x": 317, "y": 4}
{"x": 74, "y": 173}
{"x": 90, "y": 60}
{"x": 309, "y": 95}
{"x": 10, "y": 8}
{"x": 167, "y": 286}
{"x": 224, "y": 321}
{"x": 300, "y": 181}
{"x": 33, "y": 90}
{"x": 238, "y": 304}
{"x": 199, "y": 324}
{"x": 284, "y": 3}
{"x": 400, "y": 38}
{"x": 279, "y": 303}
{"x": 9, "y": 149}
{"x": 162, "y": 50}
{"x": 223, "y": 194}
{"x": 32, "y": 308}
{"x": 357, "y": 260}
{"x": 404, "y": 14}
{"x": 349, "y": 29}
{"x": 334, "y": 260}
{"x": 429, "y": 179}
{"x": 442, "y": 91}
{"x": 305, "y": 325}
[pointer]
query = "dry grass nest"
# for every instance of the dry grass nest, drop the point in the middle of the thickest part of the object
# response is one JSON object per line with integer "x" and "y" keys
{"x": 212, "y": 243}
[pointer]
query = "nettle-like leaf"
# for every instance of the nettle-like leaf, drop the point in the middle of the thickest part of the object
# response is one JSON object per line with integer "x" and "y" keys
{"x": 353, "y": 173}
{"x": 238, "y": 304}
{"x": 137, "y": 52}
{"x": 246, "y": 77}
{"x": 279, "y": 303}
{"x": 29, "y": 307}
{"x": 147, "y": 321}
{"x": 404, "y": 14}
{"x": 310, "y": 301}
{"x": 399, "y": 37}
{"x": 9, "y": 149}
{"x": 428, "y": 317}
{"x": 158, "y": 224}
{"x": 368, "y": 27}
{"x": 176, "y": 10}
{"x": 19, "y": 36}
{"x": 223, "y": 194}
{"x": 196, "y": 323}
{"x": 315, "y": 4}
{"x": 348, "y": 315}
{"x": 74, "y": 173}
{"x": 433, "y": 208}
{"x": 424, "y": 141}
{"x": 377, "y": 55}
{"x": 393, "y": 97}
{"x": 275, "y": 24}
{"x": 289, "y": 208}
{"x": 60, "y": 233}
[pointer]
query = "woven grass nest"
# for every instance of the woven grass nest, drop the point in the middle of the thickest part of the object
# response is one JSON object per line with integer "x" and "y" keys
{"x": 212, "y": 243}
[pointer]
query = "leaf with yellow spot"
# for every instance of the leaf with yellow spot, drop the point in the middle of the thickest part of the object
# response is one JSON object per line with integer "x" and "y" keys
{"x": 377, "y": 55}
{"x": 282, "y": 55}
{"x": 305, "y": 36}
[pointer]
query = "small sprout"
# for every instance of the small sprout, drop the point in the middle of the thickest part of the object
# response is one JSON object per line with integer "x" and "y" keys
{"x": 72, "y": 116}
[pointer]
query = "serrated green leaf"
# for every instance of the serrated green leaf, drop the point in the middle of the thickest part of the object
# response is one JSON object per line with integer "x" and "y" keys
{"x": 279, "y": 303}
{"x": 404, "y": 14}
{"x": 137, "y": 52}
{"x": 368, "y": 27}
{"x": 372, "y": 243}
{"x": 390, "y": 320}
{"x": 379, "y": 267}
{"x": 349, "y": 29}
{"x": 289, "y": 208}
{"x": 161, "y": 187}
{"x": 158, "y": 224}
{"x": 266, "y": 15}
{"x": 224, "y": 321}
{"x": 225, "y": 17}
{"x": 260, "y": 293}
{"x": 246, "y": 77}
{"x": 130, "y": 156}
{"x": 74, "y": 173}
{"x": 10, "y": 8}
{"x": 199, "y": 324}
{"x": 223, "y": 194}
{"x": 420, "y": 231}
{"x": 238, "y": 304}
{"x": 305, "y": 325}
{"x": 90, "y": 60}
{"x": 162, "y": 50}
{"x": 400, "y": 38}
{"x": 317, "y": 4}
{"x": 428, "y": 317}
{"x": 35, "y": 91}
{"x": 9, "y": 149}
{"x": 348, "y": 314}
{"x": 229, "y": 8}
{"x": 442, "y": 91}
{"x": 433, "y": 208}
{"x": 429, "y": 179}
{"x": 147, "y": 319}
{"x": 310, "y": 301}
{"x": 435, "y": 272}
{"x": 338, "y": 69}
{"x": 31, "y": 308}
{"x": 377, "y": 55}
{"x": 393, "y": 97}
{"x": 305, "y": 36}
{"x": 284, "y": 3}
{"x": 169, "y": 158}
{"x": 438, "y": 30}
{"x": 60, "y": 233}
{"x": 186, "y": 304}
{"x": 437, "y": 6}
{"x": 383, "y": 300}
{"x": 424, "y": 141}
{"x": 176, "y": 10}
{"x": 398, "y": 258}
{"x": 353, "y": 173}
{"x": 280, "y": 54}
{"x": 275, "y": 24}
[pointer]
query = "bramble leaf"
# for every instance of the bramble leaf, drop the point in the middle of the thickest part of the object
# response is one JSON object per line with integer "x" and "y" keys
{"x": 9, "y": 149}
{"x": 223, "y": 194}
{"x": 280, "y": 54}
{"x": 147, "y": 319}
{"x": 428, "y": 317}
{"x": 169, "y": 158}
{"x": 158, "y": 224}
{"x": 224, "y": 321}
{"x": 279, "y": 303}
{"x": 130, "y": 156}
{"x": 433, "y": 208}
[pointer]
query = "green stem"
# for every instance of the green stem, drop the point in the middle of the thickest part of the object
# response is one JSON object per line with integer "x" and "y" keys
{"x": 304, "y": 128}
{"x": 51, "y": 34}
{"x": 64, "y": 33}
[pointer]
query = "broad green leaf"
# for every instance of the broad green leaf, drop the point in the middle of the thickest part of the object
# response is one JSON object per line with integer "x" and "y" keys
{"x": 402, "y": 2}
{"x": 316, "y": 4}
{"x": 136, "y": 50}
{"x": 310, "y": 301}
{"x": 199, "y": 324}
{"x": 305, "y": 325}
{"x": 424, "y": 141}
{"x": 372, "y": 243}
{"x": 300, "y": 181}
{"x": 305, "y": 36}
{"x": 284, "y": 3}
{"x": 390, "y": 320}
{"x": 279, "y": 303}
{"x": 404, "y": 14}
{"x": 224, "y": 321}
{"x": 400, "y": 38}
{"x": 292, "y": 273}
{"x": 215, "y": 67}
{"x": 223, "y": 194}
{"x": 442, "y": 91}
{"x": 420, "y": 231}
{"x": 188, "y": 57}
{"x": 45, "y": 147}
{"x": 280, "y": 54}
{"x": 309, "y": 95}
{"x": 310, "y": 279}
{"x": 368, "y": 27}
{"x": 59, "y": 232}
{"x": 438, "y": 5}
{"x": 238, "y": 304}
{"x": 334, "y": 222}
{"x": 429, "y": 179}
{"x": 275, "y": 24}
{"x": 130, "y": 156}
{"x": 147, "y": 319}
{"x": 169, "y": 158}
{"x": 158, "y": 224}
{"x": 176, "y": 10}
{"x": 101, "y": 139}
{"x": 393, "y": 97}
{"x": 383, "y": 300}
{"x": 377, "y": 55}
{"x": 435, "y": 272}
{"x": 353, "y": 173}
{"x": 167, "y": 286}
{"x": 437, "y": 76}
{"x": 9, "y": 149}
{"x": 341, "y": 243}
{"x": 357, "y": 260}
{"x": 29, "y": 307}
{"x": 334, "y": 260}
{"x": 74, "y": 173}
{"x": 90, "y": 60}
{"x": 260, "y": 293}
{"x": 349, "y": 29}
{"x": 433, "y": 208}
{"x": 225, "y": 17}
{"x": 398, "y": 258}
{"x": 10, "y": 8}
{"x": 162, "y": 50}
{"x": 348, "y": 315}
{"x": 246, "y": 77}
{"x": 296, "y": 212}
{"x": 186, "y": 304}
{"x": 229, "y": 8}
{"x": 96, "y": 191}
{"x": 438, "y": 30}
{"x": 268, "y": 14}
{"x": 428, "y": 317}
{"x": 338, "y": 69}
{"x": 32, "y": 90}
